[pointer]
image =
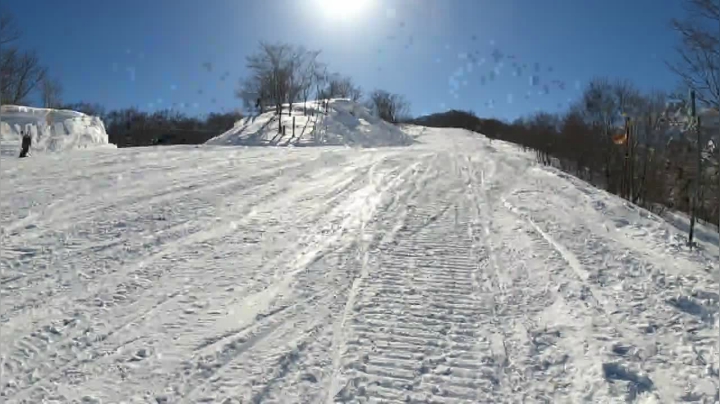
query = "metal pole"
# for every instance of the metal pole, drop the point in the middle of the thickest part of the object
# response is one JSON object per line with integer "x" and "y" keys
{"x": 626, "y": 168}
{"x": 698, "y": 181}
{"x": 694, "y": 199}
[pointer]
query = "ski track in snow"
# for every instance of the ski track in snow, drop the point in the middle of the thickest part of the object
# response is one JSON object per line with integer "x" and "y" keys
{"x": 452, "y": 271}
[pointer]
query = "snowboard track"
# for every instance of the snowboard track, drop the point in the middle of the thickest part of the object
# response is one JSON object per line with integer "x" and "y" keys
{"x": 106, "y": 286}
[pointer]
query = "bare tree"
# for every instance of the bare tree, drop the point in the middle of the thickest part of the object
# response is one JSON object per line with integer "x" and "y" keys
{"x": 321, "y": 79}
{"x": 648, "y": 126}
{"x": 222, "y": 122}
{"x": 20, "y": 72}
{"x": 341, "y": 87}
{"x": 302, "y": 66}
{"x": 606, "y": 102}
{"x": 270, "y": 69}
{"x": 249, "y": 91}
{"x": 355, "y": 93}
{"x": 311, "y": 74}
{"x": 51, "y": 91}
{"x": 699, "y": 50}
{"x": 294, "y": 77}
{"x": 279, "y": 74}
{"x": 389, "y": 107}
{"x": 8, "y": 29}
{"x": 608, "y": 105}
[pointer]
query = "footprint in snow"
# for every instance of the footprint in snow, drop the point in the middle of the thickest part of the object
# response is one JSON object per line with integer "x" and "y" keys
{"x": 621, "y": 349}
{"x": 140, "y": 354}
{"x": 637, "y": 383}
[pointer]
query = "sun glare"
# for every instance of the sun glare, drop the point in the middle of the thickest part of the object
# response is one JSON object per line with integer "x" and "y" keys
{"x": 343, "y": 9}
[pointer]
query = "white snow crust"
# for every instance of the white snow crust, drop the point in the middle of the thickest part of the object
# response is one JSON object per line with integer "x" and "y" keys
{"x": 455, "y": 270}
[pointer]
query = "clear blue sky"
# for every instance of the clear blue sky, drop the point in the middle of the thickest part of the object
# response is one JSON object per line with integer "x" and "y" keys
{"x": 150, "y": 53}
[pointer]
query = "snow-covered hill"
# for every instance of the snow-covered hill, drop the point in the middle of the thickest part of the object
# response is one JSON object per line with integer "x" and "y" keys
{"x": 345, "y": 123}
{"x": 455, "y": 270}
{"x": 52, "y": 130}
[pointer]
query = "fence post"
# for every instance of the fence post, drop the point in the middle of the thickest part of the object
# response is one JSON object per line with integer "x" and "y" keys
{"x": 293, "y": 128}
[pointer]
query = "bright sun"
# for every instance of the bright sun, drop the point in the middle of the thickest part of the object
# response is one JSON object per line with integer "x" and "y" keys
{"x": 343, "y": 9}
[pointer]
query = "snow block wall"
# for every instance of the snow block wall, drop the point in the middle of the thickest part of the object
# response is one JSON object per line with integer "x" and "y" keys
{"x": 52, "y": 130}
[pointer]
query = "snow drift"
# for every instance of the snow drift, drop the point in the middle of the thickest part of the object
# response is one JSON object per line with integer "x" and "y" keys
{"x": 52, "y": 130}
{"x": 345, "y": 123}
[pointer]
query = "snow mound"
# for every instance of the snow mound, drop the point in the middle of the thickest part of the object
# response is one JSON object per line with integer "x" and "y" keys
{"x": 52, "y": 130}
{"x": 344, "y": 123}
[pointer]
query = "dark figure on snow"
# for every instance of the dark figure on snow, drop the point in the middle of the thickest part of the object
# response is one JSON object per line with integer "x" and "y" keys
{"x": 258, "y": 103}
{"x": 26, "y": 143}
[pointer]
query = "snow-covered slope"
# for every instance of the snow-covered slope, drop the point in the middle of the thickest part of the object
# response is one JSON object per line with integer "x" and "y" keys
{"x": 346, "y": 123}
{"x": 52, "y": 130}
{"x": 452, "y": 271}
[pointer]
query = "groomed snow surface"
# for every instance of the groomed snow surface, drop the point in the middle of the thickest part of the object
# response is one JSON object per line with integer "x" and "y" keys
{"x": 455, "y": 270}
{"x": 52, "y": 130}
{"x": 343, "y": 122}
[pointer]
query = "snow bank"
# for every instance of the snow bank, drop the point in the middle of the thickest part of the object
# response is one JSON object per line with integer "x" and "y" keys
{"x": 345, "y": 123}
{"x": 52, "y": 130}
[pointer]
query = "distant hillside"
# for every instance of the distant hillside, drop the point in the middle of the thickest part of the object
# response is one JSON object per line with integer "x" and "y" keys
{"x": 461, "y": 119}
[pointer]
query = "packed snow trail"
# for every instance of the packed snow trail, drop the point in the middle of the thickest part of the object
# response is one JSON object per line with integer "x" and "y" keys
{"x": 451, "y": 271}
